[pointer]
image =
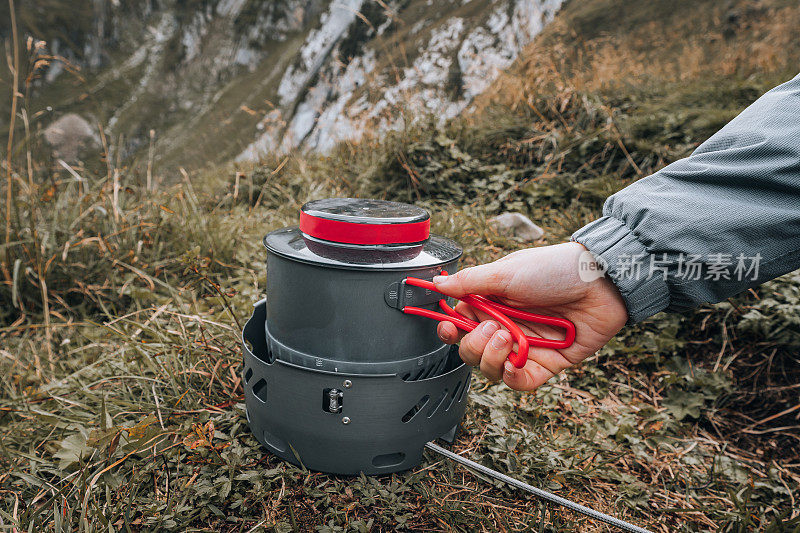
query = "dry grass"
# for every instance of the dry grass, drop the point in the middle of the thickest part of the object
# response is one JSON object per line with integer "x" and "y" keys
{"x": 135, "y": 420}
{"x": 140, "y": 422}
{"x": 593, "y": 47}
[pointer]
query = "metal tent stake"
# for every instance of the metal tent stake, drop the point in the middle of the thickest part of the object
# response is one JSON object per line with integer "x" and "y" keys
{"x": 543, "y": 494}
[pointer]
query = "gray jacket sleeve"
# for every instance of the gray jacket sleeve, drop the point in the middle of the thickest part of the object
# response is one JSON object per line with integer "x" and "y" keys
{"x": 711, "y": 225}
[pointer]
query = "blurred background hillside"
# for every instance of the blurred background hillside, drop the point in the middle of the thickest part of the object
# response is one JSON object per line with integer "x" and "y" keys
{"x": 152, "y": 144}
{"x": 239, "y": 79}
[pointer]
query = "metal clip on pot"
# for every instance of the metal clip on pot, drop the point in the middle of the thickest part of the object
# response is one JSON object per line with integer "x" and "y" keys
{"x": 501, "y": 313}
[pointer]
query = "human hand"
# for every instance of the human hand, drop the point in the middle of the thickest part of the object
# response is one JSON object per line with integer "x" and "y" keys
{"x": 541, "y": 280}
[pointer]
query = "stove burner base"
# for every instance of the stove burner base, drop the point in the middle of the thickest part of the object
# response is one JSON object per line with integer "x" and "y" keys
{"x": 347, "y": 423}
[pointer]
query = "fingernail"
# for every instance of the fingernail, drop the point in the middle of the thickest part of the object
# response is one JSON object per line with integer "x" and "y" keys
{"x": 438, "y": 280}
{"x": 489, "y": 328}
{"x": 509, "y": 367}
{"x": 499, "y": 340}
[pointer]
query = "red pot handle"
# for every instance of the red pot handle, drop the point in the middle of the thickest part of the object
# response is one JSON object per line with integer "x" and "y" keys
{"x": 501, "y": 313}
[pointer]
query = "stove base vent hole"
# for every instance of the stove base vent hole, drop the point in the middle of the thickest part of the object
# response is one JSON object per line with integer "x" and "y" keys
{"x": 416, "y": 409}
{"x": 388, "y": 459}
{"x": 260, "y": 390}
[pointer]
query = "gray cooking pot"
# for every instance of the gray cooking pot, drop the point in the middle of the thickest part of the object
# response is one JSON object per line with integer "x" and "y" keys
{"x": 337, "y": 377}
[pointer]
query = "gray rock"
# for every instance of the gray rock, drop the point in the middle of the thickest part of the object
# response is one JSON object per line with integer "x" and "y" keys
{"x": 516, "y": 225}
{"x": 70, "y": 137}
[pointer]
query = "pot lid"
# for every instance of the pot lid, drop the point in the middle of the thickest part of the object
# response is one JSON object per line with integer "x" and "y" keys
{"x": 364, "y": 222}
{"x": 363, "y": 234}
{"x": 291, "y": 243}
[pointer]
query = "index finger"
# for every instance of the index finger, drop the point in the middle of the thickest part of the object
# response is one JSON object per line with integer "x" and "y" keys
{"x": 483, "y": 279}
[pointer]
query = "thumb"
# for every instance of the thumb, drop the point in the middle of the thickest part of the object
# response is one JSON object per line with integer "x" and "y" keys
{"x": 489, "y": 279}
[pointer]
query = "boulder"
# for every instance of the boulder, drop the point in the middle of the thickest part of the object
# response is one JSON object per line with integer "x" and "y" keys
{"x": 516, "y": 225}
{"x": 71, "y": 137}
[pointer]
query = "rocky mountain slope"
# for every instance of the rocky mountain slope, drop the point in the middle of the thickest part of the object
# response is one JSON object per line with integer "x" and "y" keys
{"x": 245, "y": 78}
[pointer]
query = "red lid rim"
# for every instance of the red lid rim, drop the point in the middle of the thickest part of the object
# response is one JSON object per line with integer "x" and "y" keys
{"x": 366, "y": 234}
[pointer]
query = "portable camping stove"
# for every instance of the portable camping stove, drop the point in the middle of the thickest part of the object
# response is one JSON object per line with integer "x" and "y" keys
{"x": 336, "y": 377}
{"x": 342, "y": 373}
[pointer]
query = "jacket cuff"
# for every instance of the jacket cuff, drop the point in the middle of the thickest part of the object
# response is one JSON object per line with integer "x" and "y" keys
{"x": 629, "y": 265}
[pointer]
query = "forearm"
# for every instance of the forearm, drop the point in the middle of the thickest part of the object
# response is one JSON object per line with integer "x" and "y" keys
{"x": 711, "y": 225}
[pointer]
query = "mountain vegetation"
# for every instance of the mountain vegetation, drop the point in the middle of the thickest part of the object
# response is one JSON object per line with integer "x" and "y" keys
{"x": 127, "y": 276}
